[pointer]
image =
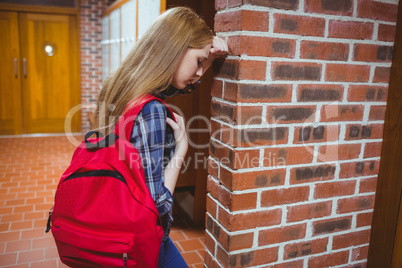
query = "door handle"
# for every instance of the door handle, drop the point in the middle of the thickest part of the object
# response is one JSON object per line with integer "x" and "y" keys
{"x": 24, "y": 60}
{"x": 15, "y": 67}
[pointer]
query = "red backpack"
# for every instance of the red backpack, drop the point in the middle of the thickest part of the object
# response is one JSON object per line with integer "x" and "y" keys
{"x": 104, "y": 215}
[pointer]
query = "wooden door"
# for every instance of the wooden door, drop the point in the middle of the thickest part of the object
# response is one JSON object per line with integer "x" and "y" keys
{"x": 397, "y": 253}
{"x": 10, "y": 87}
{"x": 385, "y": 248}
{"x": 49, "y": 64}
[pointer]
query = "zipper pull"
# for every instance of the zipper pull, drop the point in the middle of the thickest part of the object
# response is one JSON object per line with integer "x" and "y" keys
{"x": 48, "y": 227}
{"x": 125, "y": 259}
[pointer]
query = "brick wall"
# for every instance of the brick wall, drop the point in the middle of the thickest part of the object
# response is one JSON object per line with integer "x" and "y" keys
{"x": 91, "y": 55}
{"x": 296, "y": 131}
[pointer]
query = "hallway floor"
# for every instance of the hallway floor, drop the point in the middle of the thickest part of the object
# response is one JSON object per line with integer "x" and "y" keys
{"x": 30, "y": 168}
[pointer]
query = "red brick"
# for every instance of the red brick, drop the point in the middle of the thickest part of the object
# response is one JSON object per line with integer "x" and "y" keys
{"x": 305, "y": 248}
{"x": 251, "y": 258}
{"x": 209, "y": 242}
{"x": 215, "y": 129}
{"x": 358, "y": 169}
{"x": 364, "y": 219}
{"x": 287, "y": 5}
{"x": 386, "y": 32}
{"x": 229, "y": 242}
{"x": 353, "y": 204}
{"x": 351, "y": 239}
{"x": 347, "y": 73}
{"x": 261, "y": 46}
{"x": 291, "y": 195}
{"x": 241, "y": 20}
{"x": 251, "y": 137}
{"x": 311, "y": 174}
{"x": 252, "y": 179}
{"x": 372, "y": 53}
{"x": 31, "y": 256}
{"x": 227, "y": 21}
{"x": 11, "y": 218}
{"x": 252, "y": 70}
{"x": 350, "y": 29}
{"x": 361, "y": 93}
{"x": 17, "y": 246}
{"x": 308, "y": 134}
{"x": 335, "y": 113}
{"x": 309, "y": 211}
{"x": 328, "y": 260}
{"x": 288, "y": 156}
{"x": 44, "y": 264}
{"x": 290, "y": 114}
{"x": 281, "y": 234}
{"x": 241, "y": 115}
{"x": 290, "y": 264}
{"x": 15, "y": 202}
{"x": 300, "y": 25}
{"x": 360, "y": 253}
{"x": 338, "y": 152}
{"x": 22, "y": 209}
{"x": 226, "y": 69}
{"x": 244, "y": 159}
{"x": 296, "y": 71}
{"x": 332, "y": 225}
{"x": 218, "y": 192}
{"x": 5, "y": 227}
{"x": 339, "y": 7}
{"x": 35, "y": 233}
{"x": 211, "y": 206}
{"x": 368, "y": 185}
{"x": 240, "y": 241}
{"x": 233, "y": 3}
{"x": 381, "y": 74}
{"x": 248, "y": 19}
{"x": 8, "y": 259}
{"x": 235, "y": 159}
{"x": 336, "y": 188}
{"x": 217, "y": 88}
{"x": 21, "y": 225}
{"x": 376, "y": 10}
{"x": 372, "y": 149}
{"x": 210, "y": 261}
{"x": 257, "y": 92}
{"x": 43, "y": 243}
{"x": 243, "y": 201}
{"x": 249, "y": 220}
{"x": 316, "y": 92}
{"x": 213, "y": 168}
{"x": 220, "y": 4}
{"x": 377, "y": 112}
{"x": 357, "y": 132}
{"x": 324, "y": 51}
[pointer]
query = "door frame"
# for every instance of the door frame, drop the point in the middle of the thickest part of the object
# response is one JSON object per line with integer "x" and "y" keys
{"x": 72, "y": 11}
{"x": 383, "y": 243}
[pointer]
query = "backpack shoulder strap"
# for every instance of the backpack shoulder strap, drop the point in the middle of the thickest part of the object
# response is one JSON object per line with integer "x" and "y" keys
{"x": 125, "y": 124}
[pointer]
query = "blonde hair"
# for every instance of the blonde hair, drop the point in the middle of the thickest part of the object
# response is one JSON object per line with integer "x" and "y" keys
{"x": 151, "y": 64}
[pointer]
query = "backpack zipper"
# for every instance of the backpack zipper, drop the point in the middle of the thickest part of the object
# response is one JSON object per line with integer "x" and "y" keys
{"x": 92, "y": 173}
{"x": 98, "y": 173}
{"x": 125, "y": 257}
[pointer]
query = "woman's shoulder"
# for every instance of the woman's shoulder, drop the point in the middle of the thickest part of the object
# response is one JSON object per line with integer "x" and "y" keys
{"x": 154, "y": 107}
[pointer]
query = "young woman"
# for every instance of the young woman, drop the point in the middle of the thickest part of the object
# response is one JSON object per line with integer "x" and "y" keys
{"x": 173, "y": 54}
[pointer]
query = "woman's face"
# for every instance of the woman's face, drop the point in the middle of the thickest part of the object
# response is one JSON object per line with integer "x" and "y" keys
{"x": 191, "y": 67}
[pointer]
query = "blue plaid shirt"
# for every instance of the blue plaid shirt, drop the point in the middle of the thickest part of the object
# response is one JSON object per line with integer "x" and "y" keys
{"x": 154, "y": 140}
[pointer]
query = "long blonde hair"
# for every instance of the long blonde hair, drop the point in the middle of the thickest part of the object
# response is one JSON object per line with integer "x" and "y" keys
{"x": 151, "y": 64}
